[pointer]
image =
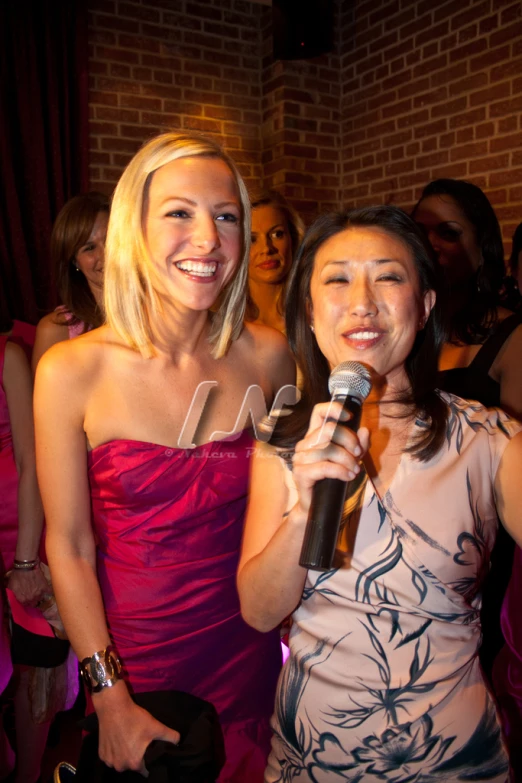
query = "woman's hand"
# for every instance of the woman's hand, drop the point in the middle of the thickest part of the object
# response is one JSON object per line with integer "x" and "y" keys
{"x": 327, "y": 451}
{"x": 126, "y": 730}
{"x": 29, "y": 587}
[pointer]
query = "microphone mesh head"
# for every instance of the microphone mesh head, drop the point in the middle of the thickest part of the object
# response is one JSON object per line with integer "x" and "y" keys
{"x": 350, "y": 378}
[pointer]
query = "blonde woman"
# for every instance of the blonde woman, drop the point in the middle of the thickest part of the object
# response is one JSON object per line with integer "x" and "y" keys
{"x": 276, "y": 233}
{"x": 149, "y": 573}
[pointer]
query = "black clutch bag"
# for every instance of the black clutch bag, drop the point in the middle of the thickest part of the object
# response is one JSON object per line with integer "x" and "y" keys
{"x": 198, "y": 758}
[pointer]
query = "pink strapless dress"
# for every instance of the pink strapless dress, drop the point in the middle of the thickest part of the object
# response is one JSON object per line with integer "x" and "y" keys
{"x": 8, "y": 515}
{"x": 168, "y": 524}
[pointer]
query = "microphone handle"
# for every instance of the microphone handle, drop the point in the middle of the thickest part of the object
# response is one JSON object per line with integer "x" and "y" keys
{"x": 326, "y": 510}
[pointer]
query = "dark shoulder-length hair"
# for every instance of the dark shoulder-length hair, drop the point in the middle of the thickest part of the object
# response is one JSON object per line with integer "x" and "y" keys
{"x": 474, "y": 322}
{"x": 71, "y": 231}
{"x": 421, "y": 364}
{"x": 272, "y": 198}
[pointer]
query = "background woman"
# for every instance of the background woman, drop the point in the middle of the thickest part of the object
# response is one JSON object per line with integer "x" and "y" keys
{"x": 383, "y": 680}
{"x": 21, "y": 521}
{"x": 484, "y": 353}
{"x": 482, "y": 360}
{"x": 77, "y": 254}
{"x": 277, "y": 230}
{"x": 158, "y": 581}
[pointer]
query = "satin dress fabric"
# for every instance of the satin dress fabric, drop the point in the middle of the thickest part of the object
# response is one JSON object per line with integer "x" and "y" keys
{"x": 8, "y": 516}
{"x": 168, "y": 525}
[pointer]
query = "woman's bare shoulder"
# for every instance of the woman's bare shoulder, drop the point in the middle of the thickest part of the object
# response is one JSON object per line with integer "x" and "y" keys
{"x": 15, "y": 357}
{"x": 269, "y": 349}
{"x": 76, "y": 361}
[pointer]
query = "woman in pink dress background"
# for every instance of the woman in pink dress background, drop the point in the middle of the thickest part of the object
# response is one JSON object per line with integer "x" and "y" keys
{"x": 153, "y": 571}
{"x": 21, "y": 521}
{"x": 78, "y": 257}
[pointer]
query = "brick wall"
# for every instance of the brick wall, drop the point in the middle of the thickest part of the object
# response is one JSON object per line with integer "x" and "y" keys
{"x": 415, "y": 90}
{"x": 207, "y": 65}
{"x": 173, "y": 64}
{"x": 432, "y": 89}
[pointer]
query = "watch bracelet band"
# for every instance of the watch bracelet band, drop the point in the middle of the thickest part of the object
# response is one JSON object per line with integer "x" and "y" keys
{"x": 101, "y": 670}
{"x": 26, "y": 565}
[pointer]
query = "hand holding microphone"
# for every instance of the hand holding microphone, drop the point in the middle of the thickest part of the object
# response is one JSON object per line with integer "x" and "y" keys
{"x": 329, "y": 452}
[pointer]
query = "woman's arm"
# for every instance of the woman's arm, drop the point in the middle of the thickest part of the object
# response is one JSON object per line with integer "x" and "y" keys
{"x": 270, "y": 579}
{"x": 63, "y": 382}
{"x": 28, "y": 586}
{"x": 48, "y": 333}
{"x": 507, "y": 488}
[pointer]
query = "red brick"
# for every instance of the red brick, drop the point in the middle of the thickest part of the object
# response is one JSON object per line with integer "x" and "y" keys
{"x": 469, "y": 49}
{"x": 430, "y": 128}
{"x": 507, "y": 124}
{"x": 434, "y": 159}
{"x": 491, "y": 57}
{"x": 485, "y": 130}
{"x": 120, "y": 71}
{"x": 468, "y": 84}
{"x": 511, "y": 68}
{"x": 471, "y": 15}
{"x": 118, "y": 115}
{"x": 467, "y": 33}
{"x": 489, "y": 164}
{"x": 488, "y": 24}
{"x": 139, "y": 12}
{"x": 469, "y": 150}
{"x": 468, "y": 118}
{"x": 426, "y": 98}
{"x": 119, "y": 145}
{"x": 490, "y": 94}
{"x": 501, "y": 143}
{"x": 449, "y": 107}
{"x": 432, "y": 32}
{"x": 403, "y": 107}
{"x": 431, "y": 65}
{"x": 465, "y": 134}
{"x": 505, "y": 34}
{"x": 449, "y": 74}
{"x": 505, "y": 107}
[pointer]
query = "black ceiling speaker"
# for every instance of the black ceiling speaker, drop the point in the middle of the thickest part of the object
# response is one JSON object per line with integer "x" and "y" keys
{"x": 302, "y": 28}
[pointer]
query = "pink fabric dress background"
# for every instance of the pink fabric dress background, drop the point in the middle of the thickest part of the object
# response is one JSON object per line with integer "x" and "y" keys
{"x": 8, "y": 515}
{"x": 168, "y": 524}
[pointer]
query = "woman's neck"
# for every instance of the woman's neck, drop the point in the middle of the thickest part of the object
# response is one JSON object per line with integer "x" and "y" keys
{"x": 266, "y": 298}
{"x": 179, "y": 333}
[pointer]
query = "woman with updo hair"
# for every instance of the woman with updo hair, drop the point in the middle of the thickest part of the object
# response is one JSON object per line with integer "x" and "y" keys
{"x": 78, "y": 257}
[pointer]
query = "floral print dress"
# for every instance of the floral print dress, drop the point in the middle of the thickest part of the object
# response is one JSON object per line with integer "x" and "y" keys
{"x": 383, "y": 681}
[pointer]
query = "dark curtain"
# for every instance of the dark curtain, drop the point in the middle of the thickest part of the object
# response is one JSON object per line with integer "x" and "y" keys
{"x": 43, "y": 140}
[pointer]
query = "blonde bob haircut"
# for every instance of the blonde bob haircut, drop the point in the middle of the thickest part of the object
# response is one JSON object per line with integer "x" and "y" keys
{"x": 130, "y": 297}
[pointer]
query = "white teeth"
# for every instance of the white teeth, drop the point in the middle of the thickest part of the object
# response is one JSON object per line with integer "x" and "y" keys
{"x": 364, "y": 335}
{"x": 198, "y": 268}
